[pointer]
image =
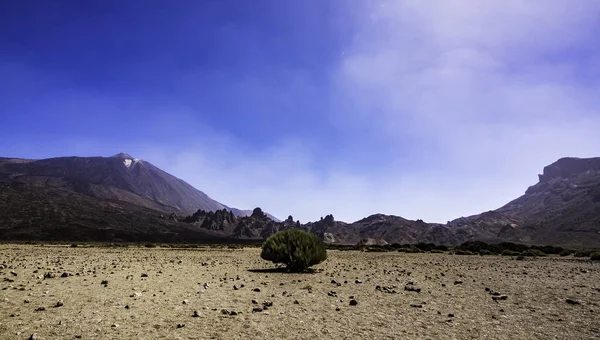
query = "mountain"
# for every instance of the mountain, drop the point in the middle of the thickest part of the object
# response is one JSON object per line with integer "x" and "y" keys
{"x": 121, "y": 198}
{"x": 98, "y": 198}
{"x": 563, "y": 208}
{"x": 120, "y": 177}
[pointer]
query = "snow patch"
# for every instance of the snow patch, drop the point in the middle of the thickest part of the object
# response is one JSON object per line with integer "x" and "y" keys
{"x": 127, "y": 162}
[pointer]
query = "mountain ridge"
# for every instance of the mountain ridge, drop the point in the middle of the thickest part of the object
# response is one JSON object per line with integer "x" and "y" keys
{"x": 134, "y": 198}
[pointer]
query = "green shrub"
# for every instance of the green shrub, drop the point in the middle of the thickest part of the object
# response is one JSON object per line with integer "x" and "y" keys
{"x": 583, "y": 253}
{"x": 463, "y": 252}
{"x": 520, "y": 258}
{"x": 508, "y": 252}
{"x": 487, "y": 252}
{"x": 436, "y": 251}
{"x": 565, "y": 253}
{"x": 533, "y": 252}
{"x": 410, "y": 250}
{"x": 295, "y": 248}
{"x": 595, "y": 256}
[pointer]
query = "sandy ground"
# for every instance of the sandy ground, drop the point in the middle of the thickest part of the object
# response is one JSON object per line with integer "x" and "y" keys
{"x": 153, "y": 293}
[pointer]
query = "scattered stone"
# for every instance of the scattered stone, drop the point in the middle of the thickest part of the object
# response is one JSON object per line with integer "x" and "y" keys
{"x": 573, "y": 302}
{"x": 412, "y": 289}
{"x": 457, "y": 282}
{"x": 144, "y": 275}
{"x": 196, "y": 314}
{"x": 180, "y": 325}
{"x": 337, "y": 309}
{"x": 205, "y": 285}
{"x": 257, "y": 310}
{"x": 332, "y": 294}
{"x": 450, "y": 315}
{"x": 40, "y": 309}
{"x": 296, "y": 302}
{"x": 185, "y": 302}
{"x": 114, "y": 325}
{"x": 353, "y": 302}
{"x": 500, "y": 297}
{"x": 59, "y": 303}
{"x": 104, "y": 282}
{"x": 256, "y": 290}
{"x": 66, "y": 274}
{"x": 13, "y": 273}
{"x": 414, "y": 305}
{"x": 33, "y": 336}
{"x": 357, "y": 281}
{"x": 49, "y": 275}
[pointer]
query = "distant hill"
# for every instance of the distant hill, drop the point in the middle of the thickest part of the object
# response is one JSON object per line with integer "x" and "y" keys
{"x": 122, "y": 198}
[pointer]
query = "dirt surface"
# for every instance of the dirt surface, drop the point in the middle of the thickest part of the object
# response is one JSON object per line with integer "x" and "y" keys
{"x": 153, "y": 294}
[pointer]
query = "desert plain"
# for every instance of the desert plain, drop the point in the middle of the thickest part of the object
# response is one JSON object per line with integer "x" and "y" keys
{"x": 62, "y": 292}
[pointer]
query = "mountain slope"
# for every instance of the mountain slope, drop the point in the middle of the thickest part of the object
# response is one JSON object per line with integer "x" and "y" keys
{"x": 563, "y": 208}
{"x": 120, "y": 177}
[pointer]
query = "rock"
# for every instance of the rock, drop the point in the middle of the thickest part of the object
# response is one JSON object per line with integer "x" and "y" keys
{"x": 353, "y": 302}
{"x": 104, "y": 282}
{"x": 357, "y": 281}
{"x": 205, "y": 285}
{"x": 256, "y": 290}
{"x": 135, "y": 295}
{"x": 337, "y": 309}
{"x": 450, "y": 315}
{"x": 267, "y": 304}
{"x": 412, "y": 289}
{"x": 457, "y": 282}
{"x": 332, "y": 294}
{"x": 33, "y": 336}
{"x": 235, "y": 287}
{"x": 26, "y": 301}
{"x": 233, "y": 313}
{"x": 196, "y": 314}
{"x": 144, "y": 275}
{"x": 501, "y": 297}
{"x": 66, "y": 274}
{"x": 13, "y": 273}
{"x": 414, "y": 305}
{"x": 180, "y": 325}
{"x": 59, "y": 303}
{"x": 573, "y": 302}
{"x": 49, "y": 275}
{"x": 185, "y": 302}
{"x": 114, "y": 325}
{"x": 224, "y": 311}
{"x": 257, "y": 310}
{"x": 296, "y": 302}
{"x": 40, "y": 309}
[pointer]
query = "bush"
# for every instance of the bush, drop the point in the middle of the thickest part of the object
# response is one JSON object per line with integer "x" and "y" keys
{"x": 507, "y": 252}
{"x": 595, "y": 256}
{"x": 565, "y": 253}
{"x": 520, "y": 258}
{"x": 533, "y": 252}
{"x": 295, "y": 248}
{"x": 487, "y": 252}
{"x": 583, "y": 253}
{"x": 463, "y": 252}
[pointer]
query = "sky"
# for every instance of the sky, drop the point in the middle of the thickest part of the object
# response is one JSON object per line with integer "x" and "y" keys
{"x": 423, "y": 109}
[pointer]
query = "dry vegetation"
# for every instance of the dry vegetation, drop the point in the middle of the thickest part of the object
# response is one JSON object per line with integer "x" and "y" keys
{"x": 154, "y": 294}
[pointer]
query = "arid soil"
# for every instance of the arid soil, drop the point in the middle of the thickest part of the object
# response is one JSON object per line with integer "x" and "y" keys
{"x": 154, "y": 294}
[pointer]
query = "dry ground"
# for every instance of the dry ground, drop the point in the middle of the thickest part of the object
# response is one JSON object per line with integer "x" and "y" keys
{"x": 131, "y": 306}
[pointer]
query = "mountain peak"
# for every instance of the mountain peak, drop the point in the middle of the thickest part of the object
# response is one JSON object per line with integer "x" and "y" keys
{"x": 568, "y": 167}
{"x": 123, "y": 155}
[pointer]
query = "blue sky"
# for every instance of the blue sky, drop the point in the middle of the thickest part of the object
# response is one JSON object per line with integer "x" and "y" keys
{"x": 423, "y": 109}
